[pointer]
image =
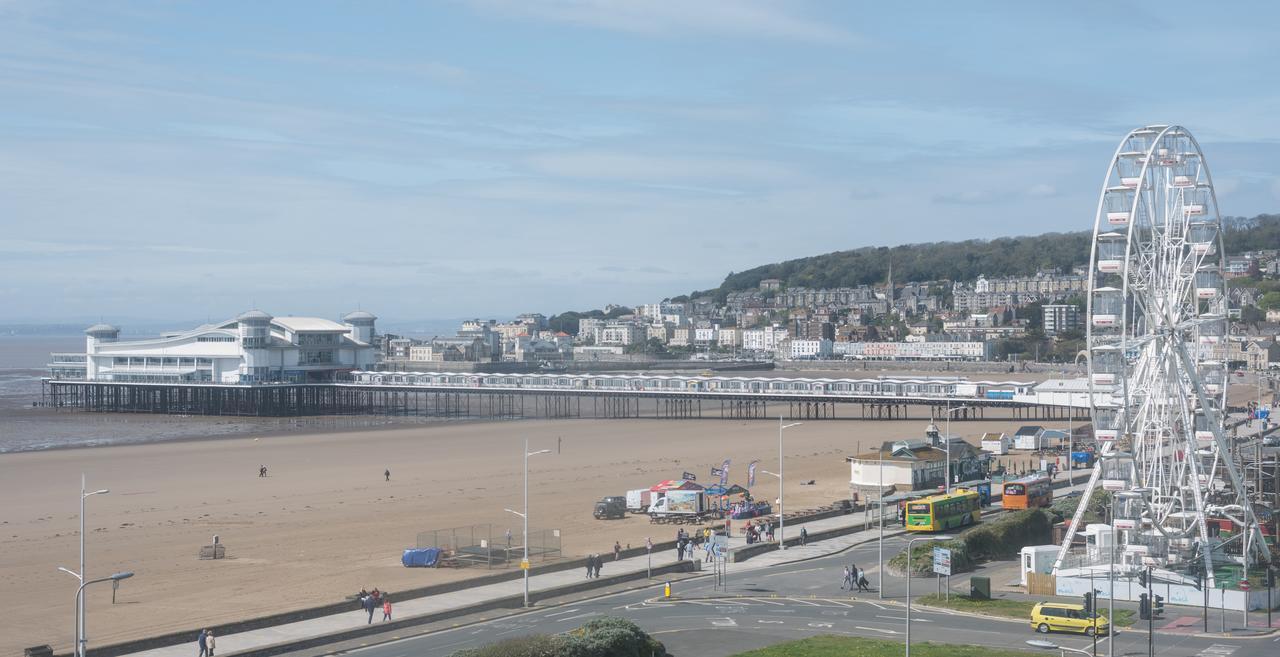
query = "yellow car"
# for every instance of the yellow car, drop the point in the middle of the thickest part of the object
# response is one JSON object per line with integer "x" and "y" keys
{"x": 1061, "y": 617}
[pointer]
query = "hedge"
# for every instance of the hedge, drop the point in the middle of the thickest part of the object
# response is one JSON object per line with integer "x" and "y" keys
{"x": 996, "y": 539}
{"x": 602, "y": 637}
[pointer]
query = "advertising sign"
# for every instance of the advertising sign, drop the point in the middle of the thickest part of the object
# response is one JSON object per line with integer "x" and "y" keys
{"x": 942, "y": 561}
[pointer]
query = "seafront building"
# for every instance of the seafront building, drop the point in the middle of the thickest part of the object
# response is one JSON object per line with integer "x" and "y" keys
{"x": 251, "y": 348}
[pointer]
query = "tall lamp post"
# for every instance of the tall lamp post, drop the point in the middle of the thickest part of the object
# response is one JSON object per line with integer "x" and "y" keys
{"x": 782, "y": 543}
{"x": 947, "y": 440}
{"x": 81, "y": 639}
{"x": 909, "y": 544}
{"x": 79, "y": 633}
{"x": 524, "y": 563}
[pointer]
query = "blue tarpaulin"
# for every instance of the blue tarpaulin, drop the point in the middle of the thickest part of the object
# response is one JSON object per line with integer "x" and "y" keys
{"x": 420, "y": 557}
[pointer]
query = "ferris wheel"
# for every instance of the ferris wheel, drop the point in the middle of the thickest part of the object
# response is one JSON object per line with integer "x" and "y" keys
{"x": 1156, "y": 338}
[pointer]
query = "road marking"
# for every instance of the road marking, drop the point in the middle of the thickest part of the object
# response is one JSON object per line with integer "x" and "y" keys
{"x": 724, "y": 622}
{"x": 835, "y": 613}
{"x": 568, "y": 611}
{"x": 903, "y": 618}
{"x": 842, "y": 604}
{"x": 819, "y": 624}
{"x": 769, "y": 602}
{"x": 875, "y": 629}
{"x": 880, "y": 607}
{"x": 806, "y": 602}
{"x": 1218, "y": 650}
{"x": 589, "y": 614}
{"x": 765, "y": 621}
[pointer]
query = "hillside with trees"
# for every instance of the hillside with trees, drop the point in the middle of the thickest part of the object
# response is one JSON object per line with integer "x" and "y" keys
{"x": 965, "y": 261}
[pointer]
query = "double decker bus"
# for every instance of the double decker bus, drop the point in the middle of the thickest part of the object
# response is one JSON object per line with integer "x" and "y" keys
{"x": 1027, "y": 493}
{"x": 942, "y": 512}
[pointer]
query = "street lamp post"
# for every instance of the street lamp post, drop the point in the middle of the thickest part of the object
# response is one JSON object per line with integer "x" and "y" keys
{"x": 524, "y": 563}
{"x": 909, "y": 544}
{"x": 782, "y": 542}
{"x": 79, "y": 634}
{"x": 81, "y": 639}
{"x": 947, "y": 440}
{"x": 880, "y": 507}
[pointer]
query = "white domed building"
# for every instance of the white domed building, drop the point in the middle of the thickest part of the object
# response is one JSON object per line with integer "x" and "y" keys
{"x": 253, "y": 347}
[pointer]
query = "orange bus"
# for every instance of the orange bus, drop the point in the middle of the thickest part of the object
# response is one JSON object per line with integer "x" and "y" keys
{"x": 1027, "y": 493}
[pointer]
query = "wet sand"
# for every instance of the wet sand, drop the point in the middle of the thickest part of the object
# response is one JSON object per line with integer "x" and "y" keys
{"x": 324, "y": 523}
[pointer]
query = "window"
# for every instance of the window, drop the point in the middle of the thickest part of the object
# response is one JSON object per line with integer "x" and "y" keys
{"x": 917, "y": 508}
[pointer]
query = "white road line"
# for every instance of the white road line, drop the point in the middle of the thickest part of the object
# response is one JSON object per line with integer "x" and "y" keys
{"x": 880, "y": 607}
{"x": 875, "y": 629}
{"x": 806, "y": 602}
{"x": 769, "y": 602}
{"x": 589, "y": 614}
{"x": 568, "y": 611}
{"x": 842, "y": 604}
{"x": 903, "y": 618}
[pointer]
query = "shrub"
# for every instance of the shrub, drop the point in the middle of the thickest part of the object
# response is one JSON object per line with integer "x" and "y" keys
{"x": 997, "y": 539}
{"x": 602, "y": 637}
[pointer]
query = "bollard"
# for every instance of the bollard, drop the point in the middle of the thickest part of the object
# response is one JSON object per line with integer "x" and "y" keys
{"x": 666, "y": 590}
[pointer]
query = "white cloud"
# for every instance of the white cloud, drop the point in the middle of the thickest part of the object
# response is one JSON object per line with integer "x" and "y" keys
{"x": 627, "y": 167}
{"x": 737, "y": 18}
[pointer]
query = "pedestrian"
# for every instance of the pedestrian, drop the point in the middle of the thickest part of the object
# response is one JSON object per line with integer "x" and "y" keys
{"x": 208, "y": 641}
{"x": 617, "y": 550}
{"x": 387, "y": 474}
{"x": 262, "y": 471}
{"x": 369, "y": 606}
{"x": 204, "y": 646}
{"x": 508, "y": 538}
{"x": 848, "y": 580}
{"x": 386, "y": 608}
{"x": 804, "y": 535}
{"x": 863, "y": 584}
{"x": 599, "y": 563}
{"x": 679, "y": 550}
{"x": 591, "y": 564}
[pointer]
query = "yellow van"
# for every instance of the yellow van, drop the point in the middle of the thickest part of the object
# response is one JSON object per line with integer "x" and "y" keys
{"x": 1061, "y": 617}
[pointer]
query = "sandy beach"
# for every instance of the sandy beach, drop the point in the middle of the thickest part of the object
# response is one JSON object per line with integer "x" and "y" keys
{"x": 324, "y": 523}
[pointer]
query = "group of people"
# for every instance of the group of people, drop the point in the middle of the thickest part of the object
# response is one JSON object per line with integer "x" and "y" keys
{"x": 759, "y": 530}
{"x": 686, "y": 542}
{"x": 594, "y": 561}
{"x": 372, "y": 601}
{"x": 206, "y": 643}
{"x": 855, "y": 577}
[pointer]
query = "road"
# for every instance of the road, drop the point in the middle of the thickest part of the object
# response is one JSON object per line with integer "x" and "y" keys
{"x": 767, "y": 606}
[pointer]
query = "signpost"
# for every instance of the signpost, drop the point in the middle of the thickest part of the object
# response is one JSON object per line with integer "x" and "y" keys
{"x": 648, "y": 548}
{"x": 942, "y": 566}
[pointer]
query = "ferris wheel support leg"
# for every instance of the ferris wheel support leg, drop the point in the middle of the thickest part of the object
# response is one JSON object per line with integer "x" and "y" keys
{"x": 1094, "y": 478}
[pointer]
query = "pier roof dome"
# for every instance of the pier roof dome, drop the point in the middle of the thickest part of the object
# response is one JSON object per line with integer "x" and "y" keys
{"x": 358, "y": 314}
{"x": 101, "y": 328}
{"x": 254, "y": 314}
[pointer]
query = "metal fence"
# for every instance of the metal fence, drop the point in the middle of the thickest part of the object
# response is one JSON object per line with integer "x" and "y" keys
{"x": 490, "y": 546}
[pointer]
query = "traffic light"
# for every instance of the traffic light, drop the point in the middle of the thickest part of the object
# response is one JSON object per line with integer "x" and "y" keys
{"x": 1271, "y": 578}
{"x": 1144, "y": 578}
{"x": 1196, "y": 571}
{"x": 1144, "y": 607}
{"x": 1088, "y": 605}
{"x": 1157, "y": 605}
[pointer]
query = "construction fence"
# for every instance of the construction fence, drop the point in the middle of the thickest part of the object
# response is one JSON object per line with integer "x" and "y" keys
{"x": 491, "y": 546}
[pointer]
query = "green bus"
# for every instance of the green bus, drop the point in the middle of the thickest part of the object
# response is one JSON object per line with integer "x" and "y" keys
{"x": 938, "y": 513}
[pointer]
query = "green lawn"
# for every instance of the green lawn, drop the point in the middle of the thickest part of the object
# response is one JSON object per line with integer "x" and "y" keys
{"x": 1020, "y": 609}
{"x": 840, "y": 646}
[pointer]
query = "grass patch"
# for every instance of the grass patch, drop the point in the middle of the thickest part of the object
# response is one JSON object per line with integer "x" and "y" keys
{"x": 841, "y": 646}
{"x": 1019, "y": 609}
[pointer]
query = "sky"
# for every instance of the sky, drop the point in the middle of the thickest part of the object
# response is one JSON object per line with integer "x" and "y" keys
{"x": 164, "y": 160}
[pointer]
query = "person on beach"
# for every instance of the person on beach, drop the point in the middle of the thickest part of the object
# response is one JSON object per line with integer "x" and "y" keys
{"x": 204, "y": 646}
{"x": 208, "y": 641}
{"x": 262, "y": 471}
{"x": 386, "y": 608}
{"x": 387, "y": 474}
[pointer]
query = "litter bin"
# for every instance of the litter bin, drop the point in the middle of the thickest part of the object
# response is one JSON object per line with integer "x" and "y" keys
{"x": 38, "y": 651}
{"x": 980, "y": 588}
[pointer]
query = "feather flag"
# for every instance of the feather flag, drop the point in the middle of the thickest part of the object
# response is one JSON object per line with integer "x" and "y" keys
{"x": 751, "y": 474}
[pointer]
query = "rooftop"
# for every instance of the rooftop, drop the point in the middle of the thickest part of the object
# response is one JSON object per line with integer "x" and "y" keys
{"x": 297, "y": 324}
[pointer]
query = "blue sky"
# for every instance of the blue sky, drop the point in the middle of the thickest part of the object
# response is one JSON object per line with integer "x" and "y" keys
{"x": 488, "y": 157}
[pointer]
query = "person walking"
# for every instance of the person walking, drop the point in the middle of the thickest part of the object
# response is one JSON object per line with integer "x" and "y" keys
{"x": 863, "y": 584}
{"x": 591, "y": 565}
{"x": 680, "y": 550}
{"x": 369, "y": 605}
{"x": 804, "y": 535}
{"x": 599, "y": 563}
{"x": 617, "y": 550}
{"x": 386, "y": 608}
{"x": 387, "y": 474}
{"x": 848, "y": 580}
{"x": 208, "y": 641}
{"x": 204, "y": 646}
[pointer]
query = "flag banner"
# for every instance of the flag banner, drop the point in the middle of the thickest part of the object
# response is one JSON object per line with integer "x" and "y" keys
{"x": 689, "y": 476}
{"x": 724, "y": 472}
{"x": 751, "y": 474}
{"x": 717, "y": 472}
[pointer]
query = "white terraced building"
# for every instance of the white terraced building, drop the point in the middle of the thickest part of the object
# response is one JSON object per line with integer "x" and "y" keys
{"x": 252, "y": 348}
